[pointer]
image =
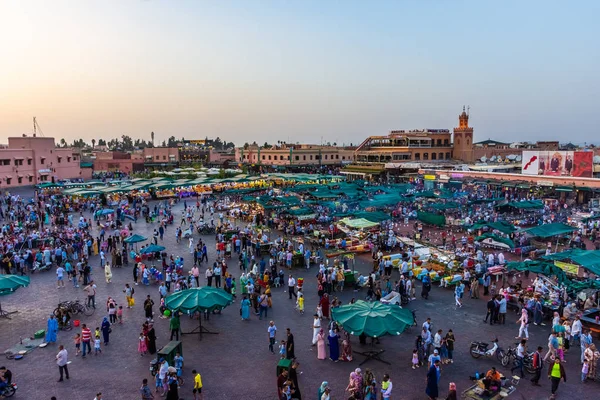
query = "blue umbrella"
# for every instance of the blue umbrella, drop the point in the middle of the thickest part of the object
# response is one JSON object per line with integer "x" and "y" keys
{"x": 130, "y": 217}
{"x": 107, "y": 211}
{"x": 153, "y": 248}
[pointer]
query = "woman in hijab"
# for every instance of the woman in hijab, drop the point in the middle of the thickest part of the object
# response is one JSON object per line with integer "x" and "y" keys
{"x": 108, "y": 272}
{"x": 245, "y": 309}
{"x": 290, "y": 348}
{"x": 452, "y": 392}
{"x": 356, "y": 382}
{"x": 105, "y": 327}
{"x": 321, "y": 350}
{"x": 51, "y": 330}
{"x": 432, "y": 383}
{"x": 334, "y": 347}
{"x": 346, "y": 348}
{"x": 324, "y": 385}
{"x": 151, "y": 335}
{"x": 324, "y": 303}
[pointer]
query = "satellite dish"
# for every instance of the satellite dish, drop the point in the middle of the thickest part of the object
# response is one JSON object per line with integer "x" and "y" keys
{"x": 483, "y": 159}
{"x": 511, "y": 157}
{"x": 493, "y": 158}
{"x": 518, "y": 158}
{"x": 596, "y": 159}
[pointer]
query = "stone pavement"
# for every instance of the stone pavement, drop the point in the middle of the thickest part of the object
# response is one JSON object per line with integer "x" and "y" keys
{"x": 236, "y": 363}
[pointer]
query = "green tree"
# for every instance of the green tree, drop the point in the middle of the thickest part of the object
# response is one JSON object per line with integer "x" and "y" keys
{"x": 172, "y": 142}
{"x": 93, "y": 143}
{"x": 101, "y": 142}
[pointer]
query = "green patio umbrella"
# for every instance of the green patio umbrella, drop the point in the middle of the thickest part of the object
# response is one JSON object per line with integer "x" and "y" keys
{"x": 153, "y": 248}
{"x": 198, "y": 300}
{"x": 8, "y": 284}
{"x": 374, "y": 319}
{"x": 135, "y": 239}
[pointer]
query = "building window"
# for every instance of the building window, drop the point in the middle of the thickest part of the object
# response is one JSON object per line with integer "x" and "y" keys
{"x": 59, "y": 159}
{"x": 29, "y": 161}
{"x": 337, "y": 156}
{"x": 448, "y": 156}
{"x": 343, "y": 157}
{"x": 326, "y": 156}
{"x": 304, "y": 157}
{"x": 311, "y": 157}
{"x": 157, "y": 158}
{"x": 458, "y": 142}
{"x": 4, "y": 162}
{"x": 8, "y": 180}
{"x": 164, "y": 157}
{"x": 433, "y": 156}
{"x": 468, "y": 142}
{"x": 441, "y": 156}
{"x": 297, "y": 158}
{"x": 288, "y": 158}
{"x": 269, "y": 157}
{"x": 18, "y": 162}
{"x": 417, "y": 156}
{"x": 30, "y": 179}
{"x": 68, "y": 159}
{"x": 446, "y": 142}
{"x": 439, "y": 142}
{"x": 43, "y": 160}
{"x": 425, "y": 156}
{"x": 264, "y": 157}
{"x": 20, "y": 180}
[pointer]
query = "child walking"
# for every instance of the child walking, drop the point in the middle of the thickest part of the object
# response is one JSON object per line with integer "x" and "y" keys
{"x": 584, "y": 370}
{"x": 142, "y": 348}
{"x": 282, "y": 349}
{"x": 77, "y": 341}
{"x": 300, "y": 303}
{"x": 97, "y": 349}
{"x": 415, "y": 359}
{"x": 120, "y": 314}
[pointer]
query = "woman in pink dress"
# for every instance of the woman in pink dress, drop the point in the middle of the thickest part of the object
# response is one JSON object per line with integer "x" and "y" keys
{"x": 321, "y": 351}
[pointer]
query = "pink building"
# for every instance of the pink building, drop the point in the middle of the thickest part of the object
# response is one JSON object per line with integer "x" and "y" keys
{"x": 113, "y": 161}
{"x": 30, "y": 160}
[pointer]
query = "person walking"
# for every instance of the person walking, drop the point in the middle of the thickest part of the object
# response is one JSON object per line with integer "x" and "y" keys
{"x": 291, "y": 287}
{"x": 585, "y": 341}
{"x": 386, "y": 387}
{"x": 197, "y": 391}
{"x": 490, "y": 310}
{"x": 145, "y": 390}
{"x": 105, "y": 327}
{"x": 552, "y": 346}
{"x": 432, "y": 381}
{"x": 538, "y": 364}
{"x": 175, "y": 325}
{"x": 129, "y": 291}
{"x": 148, "y": 304}
{"x": 272, "y": 331}
{"x": 524, "y": 320}
{"x": 521, "y": 351}
{"x": 556, "y": 372}
{"x": 62, "y": 361}
{"x": 86, "y": 337}
{"x": 90, "y": 291}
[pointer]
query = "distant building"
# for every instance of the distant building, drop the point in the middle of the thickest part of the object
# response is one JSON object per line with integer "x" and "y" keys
{"x": 30, "y": 160}
{"x": 488, "y": 149}
{"x": 294, "y": 155}
{"x": 118, "y": 161}
{"x": 161, "y": 157}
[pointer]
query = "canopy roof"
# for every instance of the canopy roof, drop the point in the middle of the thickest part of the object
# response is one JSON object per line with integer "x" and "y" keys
{"x": 501, "y": 226}
{"x": 374, "y": 319}
{"x": 358, "y": 223}
{"x": 588, "y": 259}
{"x": 549, "y": 230}
{"x": 496, "y": 238}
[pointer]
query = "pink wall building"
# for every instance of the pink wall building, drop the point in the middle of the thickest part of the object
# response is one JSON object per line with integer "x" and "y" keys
{"x": 30, "y": 160}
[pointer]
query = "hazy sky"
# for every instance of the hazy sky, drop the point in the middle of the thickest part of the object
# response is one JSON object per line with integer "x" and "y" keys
{"x": 299, "y": 70}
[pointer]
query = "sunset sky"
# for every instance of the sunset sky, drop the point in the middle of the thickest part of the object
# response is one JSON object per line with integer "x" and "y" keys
{"x": 299, "y": 71}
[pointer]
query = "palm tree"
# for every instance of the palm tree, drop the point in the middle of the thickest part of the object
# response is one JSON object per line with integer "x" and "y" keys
{"x": 93, "y": 143}
{"x": 152, "y": 137}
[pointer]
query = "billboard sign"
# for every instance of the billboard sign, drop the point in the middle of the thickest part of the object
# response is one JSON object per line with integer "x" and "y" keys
{"x": 558, "y": 163}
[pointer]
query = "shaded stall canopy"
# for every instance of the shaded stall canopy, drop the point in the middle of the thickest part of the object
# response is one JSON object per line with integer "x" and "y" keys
{"x": 374, "y": 216}
{"x": 501, "y": 226}
{"x": 522, "y": 205}
{"x": 483, "y": 201}
{"x": 358, "y": 223}
{"x": 444, "y": 206}
{"x": 299, "y": 211}
{"x": 496, "y": 238}
{"x": 549, "y": 230}
{"x": 588, "y": 259}
{"x": 436, "y": 194}
{"x": 431, "y": 218}
{"x": 384, "y": 200}
{"x": 539, "y": 267}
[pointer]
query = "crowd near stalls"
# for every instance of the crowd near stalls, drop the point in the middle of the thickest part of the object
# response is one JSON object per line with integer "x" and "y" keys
{"x": 475, "y": 238}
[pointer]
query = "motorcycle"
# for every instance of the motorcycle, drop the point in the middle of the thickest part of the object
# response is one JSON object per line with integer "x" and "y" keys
{"x": 38, "y": 266}
{"x": 9, "y": 390}
{"x": 479, "y": 349}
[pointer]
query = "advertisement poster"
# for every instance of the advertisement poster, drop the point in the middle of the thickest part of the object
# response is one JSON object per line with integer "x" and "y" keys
{"x": 530, "y": 163}
{"x": 583, "y": 164}
{"x": 558, "y": 163}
